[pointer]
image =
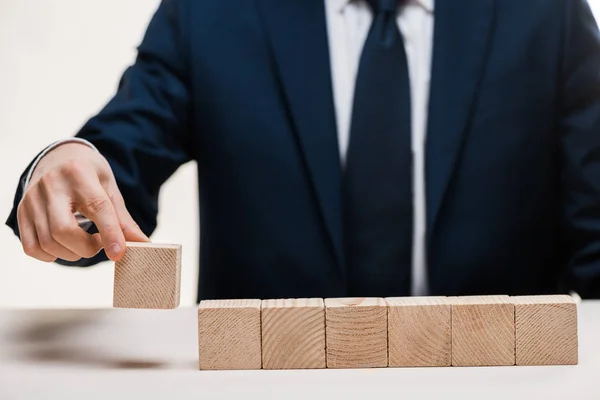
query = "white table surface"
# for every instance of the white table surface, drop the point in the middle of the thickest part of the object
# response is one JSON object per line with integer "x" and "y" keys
{"x": 151, "y": 354}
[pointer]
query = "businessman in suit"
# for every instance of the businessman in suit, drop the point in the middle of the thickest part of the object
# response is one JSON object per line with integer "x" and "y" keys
{"x": 346, "y": 148}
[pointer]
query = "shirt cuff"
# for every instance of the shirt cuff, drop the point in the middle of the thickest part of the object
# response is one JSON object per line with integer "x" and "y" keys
{"x": 49, "y": 149}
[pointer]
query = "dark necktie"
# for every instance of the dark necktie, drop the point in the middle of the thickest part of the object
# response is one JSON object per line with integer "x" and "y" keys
{"x": 377, "y": 186}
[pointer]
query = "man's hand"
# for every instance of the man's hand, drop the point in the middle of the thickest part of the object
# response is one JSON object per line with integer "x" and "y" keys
{"x": 74, "y": 177}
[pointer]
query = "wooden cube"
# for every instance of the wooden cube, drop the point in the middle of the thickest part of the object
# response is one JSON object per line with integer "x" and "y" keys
{"x": 293, "y": 334}
{"x": 356, "y": 332}
{"x": 483, "y": 331}
{"x": 546, "y": 330}
{"x": 229, "y": 334}
{"x": 419, "y": 332}
{"x": 148, "y": 276}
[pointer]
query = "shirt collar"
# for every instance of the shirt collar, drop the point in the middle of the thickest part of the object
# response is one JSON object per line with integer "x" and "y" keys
{"x": 428, "y": 5}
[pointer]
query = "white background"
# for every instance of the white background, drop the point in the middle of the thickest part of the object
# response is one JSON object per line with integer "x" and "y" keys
{"x": 60, "y": 62}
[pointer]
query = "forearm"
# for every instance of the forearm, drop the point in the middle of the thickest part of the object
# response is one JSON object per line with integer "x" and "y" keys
{"x": 141, "y": 137}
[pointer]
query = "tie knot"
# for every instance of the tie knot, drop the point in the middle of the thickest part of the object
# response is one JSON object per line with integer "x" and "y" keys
{"x": 382, "y": 6}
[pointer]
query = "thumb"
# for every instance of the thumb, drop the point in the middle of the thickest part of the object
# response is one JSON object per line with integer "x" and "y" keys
{"x": 131, "y": 230}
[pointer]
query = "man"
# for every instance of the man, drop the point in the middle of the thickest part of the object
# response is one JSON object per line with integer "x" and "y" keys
{"x": 347, "y": 148}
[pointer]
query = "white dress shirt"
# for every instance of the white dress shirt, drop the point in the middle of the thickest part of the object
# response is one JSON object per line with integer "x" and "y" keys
{"x": 348, "y": 23}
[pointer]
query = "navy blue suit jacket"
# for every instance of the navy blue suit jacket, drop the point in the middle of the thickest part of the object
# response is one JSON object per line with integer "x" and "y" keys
{"x": 244, "y": 88}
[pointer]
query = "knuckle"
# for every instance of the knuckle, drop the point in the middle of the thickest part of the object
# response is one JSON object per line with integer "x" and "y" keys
{"x": 48, "y": 179}
{"x": 62, "y": 229}
{"x": 73, "y": 168}
{"x": 96, "y": 205}
{"x": 30, "y": 247}
{"x": 106, "y": 178}
{"x": 31, "y": 195}
{"x": 46, "y": 242}
{"x": 21, "y": 215}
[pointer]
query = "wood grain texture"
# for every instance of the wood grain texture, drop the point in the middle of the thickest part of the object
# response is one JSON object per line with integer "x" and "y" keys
{"x": 483, "y": 331}
{"x": 148, "y": 276}
{"x": 356, "y": 332}
{"x": 546, "y": 330}
{"x": 419, "y": 332}
{"x": 293, "y": 334}
{"x": 229, "y": 334}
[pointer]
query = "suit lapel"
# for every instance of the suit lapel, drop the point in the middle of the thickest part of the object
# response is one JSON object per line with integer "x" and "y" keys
{"x": 297, "y": 33}
{"x": 461, "y": 40}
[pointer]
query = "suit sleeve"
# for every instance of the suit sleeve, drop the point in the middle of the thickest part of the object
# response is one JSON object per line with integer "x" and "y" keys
{"x": 143, "y": 130}
{"x": 579, "y": 143}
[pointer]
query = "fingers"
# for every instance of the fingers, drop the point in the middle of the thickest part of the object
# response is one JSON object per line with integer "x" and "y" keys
{"x": 65, "y": 228}
{"x": 130, "y": 228}
{"x": 29, "y": 238}
{"x": 45, "y": 236}
{"x": 48, "y": 227}
{"x": 93, "y": 201}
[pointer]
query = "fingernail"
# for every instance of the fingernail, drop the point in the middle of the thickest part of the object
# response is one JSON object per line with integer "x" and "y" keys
{"x": 114, "y": 249}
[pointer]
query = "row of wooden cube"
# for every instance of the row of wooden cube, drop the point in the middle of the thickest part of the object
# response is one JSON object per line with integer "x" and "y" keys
{"x": 394, "y": 332}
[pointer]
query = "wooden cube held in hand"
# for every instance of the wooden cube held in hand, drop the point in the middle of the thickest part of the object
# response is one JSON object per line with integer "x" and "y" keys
{"x": 229, "y": 334}
{"x": 356, "y": 332}
{"x": 419, "y": 332}
{"x": 148, "y": 276}
{"x": 546, "y": 330}
{"x": 293, "y": 333}
{"x": 483, "y": 331}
